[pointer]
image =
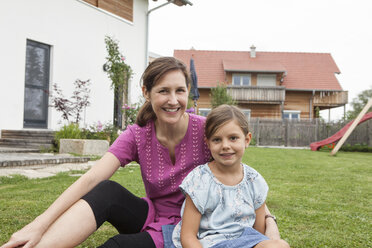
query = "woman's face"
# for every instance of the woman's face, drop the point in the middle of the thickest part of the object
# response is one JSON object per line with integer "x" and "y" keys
{"x": 169, "y": 97}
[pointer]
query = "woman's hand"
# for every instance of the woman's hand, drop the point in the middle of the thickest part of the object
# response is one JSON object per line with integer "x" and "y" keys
{"x": 30, "y": 235}
{"x": 27, "y": 237}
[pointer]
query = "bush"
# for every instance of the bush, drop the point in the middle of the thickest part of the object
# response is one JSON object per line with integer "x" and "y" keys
{"x": 104, "y": 132}
{"x": 219, "y": 96}
{"x": 356, "y": 148}
{"x": 350, "y": 148}
{"x": 72, "y": 131}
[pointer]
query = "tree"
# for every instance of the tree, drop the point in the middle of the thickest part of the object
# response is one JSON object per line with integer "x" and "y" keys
{"x": 219, "y": 96}
{"x": 120, "y": 73}
{"x": 358, "y": 103}
{"x": 72, "y": 108}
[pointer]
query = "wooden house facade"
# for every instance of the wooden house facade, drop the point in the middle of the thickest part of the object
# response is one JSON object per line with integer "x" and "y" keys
{"x": 276, "y": 85}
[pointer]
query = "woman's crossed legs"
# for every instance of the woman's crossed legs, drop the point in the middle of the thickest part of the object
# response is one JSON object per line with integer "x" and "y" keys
{"x": 108, "y": 201}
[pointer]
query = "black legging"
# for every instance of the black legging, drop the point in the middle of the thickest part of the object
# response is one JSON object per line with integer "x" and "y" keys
{"x": 126, "y": 212}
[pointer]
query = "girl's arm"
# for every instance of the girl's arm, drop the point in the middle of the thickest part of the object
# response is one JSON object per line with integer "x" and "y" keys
{"x": 32, "y": 233}
{"x": 190, "y": 225}
{"x": 259, "y": 224}
{"x": 272, "y": 231}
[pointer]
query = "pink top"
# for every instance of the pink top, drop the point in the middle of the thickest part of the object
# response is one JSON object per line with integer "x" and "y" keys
{"x": 161, "y": 178}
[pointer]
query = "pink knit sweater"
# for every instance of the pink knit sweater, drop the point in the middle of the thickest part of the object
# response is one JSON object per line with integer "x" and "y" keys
{"x": 160, "y": 176}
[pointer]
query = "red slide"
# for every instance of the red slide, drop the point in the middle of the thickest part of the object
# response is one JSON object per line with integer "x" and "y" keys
{"x": 337, "y": 136}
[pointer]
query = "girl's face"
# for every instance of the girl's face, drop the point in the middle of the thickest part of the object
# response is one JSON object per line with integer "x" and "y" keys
{"x": 228, "y": 144}
{"x": 169, "y": 97}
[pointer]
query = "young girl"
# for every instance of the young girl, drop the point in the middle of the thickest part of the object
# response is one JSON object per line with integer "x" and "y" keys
{"x": 225, "y": 199}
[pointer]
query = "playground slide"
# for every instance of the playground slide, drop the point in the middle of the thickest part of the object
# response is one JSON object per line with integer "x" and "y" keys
{"x": 337, "y": 136}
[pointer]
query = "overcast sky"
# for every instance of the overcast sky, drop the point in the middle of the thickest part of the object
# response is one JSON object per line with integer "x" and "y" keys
{"x": 340, "y": 27}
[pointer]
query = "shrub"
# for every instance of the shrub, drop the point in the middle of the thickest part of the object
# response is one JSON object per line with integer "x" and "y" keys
{"x": 70, "y": 131}
{"x": 104, "y": 132}
{"x": 72, "y": 108}
{"x": 130, "y": 114}
{"x": 219, "y": 96}
{"x": 356, "y": 148}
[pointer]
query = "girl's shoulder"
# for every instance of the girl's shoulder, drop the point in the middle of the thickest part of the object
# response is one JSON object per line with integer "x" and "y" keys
{"x": 250, "y": 173}
{"x": 199, "y": 171}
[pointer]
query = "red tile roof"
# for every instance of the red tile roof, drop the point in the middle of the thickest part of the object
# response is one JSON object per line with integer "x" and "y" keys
{"x": 252, "y": 66}
{"x": 306, "y": 71}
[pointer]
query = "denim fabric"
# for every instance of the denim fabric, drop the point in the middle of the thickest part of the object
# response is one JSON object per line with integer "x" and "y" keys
{"x": 225, "y": 210}
{"x": 249, "y": 238}
{"x": 167, "y": 235}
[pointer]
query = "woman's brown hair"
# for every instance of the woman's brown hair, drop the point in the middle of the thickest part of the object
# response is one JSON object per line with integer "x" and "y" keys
{"x": 223, "y": 114}
{"x": 153, "y": 73}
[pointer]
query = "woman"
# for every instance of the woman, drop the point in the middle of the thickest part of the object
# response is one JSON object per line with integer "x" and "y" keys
{"x": 165, "y": 141}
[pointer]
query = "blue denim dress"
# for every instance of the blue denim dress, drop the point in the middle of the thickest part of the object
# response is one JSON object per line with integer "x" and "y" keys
{"x": 228, "y": 212}
{"x": 249, "y": 238}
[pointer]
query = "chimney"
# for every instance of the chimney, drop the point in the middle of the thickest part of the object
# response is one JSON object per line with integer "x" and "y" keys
{"x": 253, "y": 51}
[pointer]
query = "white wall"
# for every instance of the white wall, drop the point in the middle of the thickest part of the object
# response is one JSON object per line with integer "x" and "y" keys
{"x": 76, "y": 32}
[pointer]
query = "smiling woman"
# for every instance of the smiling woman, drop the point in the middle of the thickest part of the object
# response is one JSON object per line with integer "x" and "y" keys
{"x": 168, "y": 97}
{"x": 166, "y": 142}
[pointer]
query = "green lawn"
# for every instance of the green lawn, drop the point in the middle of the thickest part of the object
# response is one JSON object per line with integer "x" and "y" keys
{"x": 319, "y": 200}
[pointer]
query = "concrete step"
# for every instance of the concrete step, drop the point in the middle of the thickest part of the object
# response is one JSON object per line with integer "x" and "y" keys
{"x": 46, "y": 134}
{"x": 31, "y": 139}
{"x": 25, "y": 143}
{"x": 29, "y": 159}
{"x": 8, "y": 149}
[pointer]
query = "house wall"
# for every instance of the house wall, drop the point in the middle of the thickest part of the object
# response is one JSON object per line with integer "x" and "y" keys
{"x": 75, "y": 30}
{"x": 257, "y": 110}
{"x": 253, "y": 78}
{"x": 298, "y": 100}
{"x": 294, "y": 100}
{"x": 204, "y": 98}
{"x": 270, "y": 111}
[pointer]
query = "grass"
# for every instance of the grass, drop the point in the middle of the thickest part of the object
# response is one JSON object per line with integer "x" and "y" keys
{"x": 319, "y": 200}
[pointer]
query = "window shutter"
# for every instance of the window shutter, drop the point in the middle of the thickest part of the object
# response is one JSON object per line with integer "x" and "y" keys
{"x": 266, "y": 80}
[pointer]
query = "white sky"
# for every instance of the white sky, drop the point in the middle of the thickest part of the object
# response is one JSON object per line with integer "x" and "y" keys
{"x": 340, "y": 27}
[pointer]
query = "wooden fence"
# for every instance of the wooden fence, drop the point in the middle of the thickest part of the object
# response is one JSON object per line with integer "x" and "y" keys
{"x": 271, "y": 132}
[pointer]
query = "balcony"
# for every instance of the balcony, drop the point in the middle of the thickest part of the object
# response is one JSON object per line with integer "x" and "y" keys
{"x": 331, "y": 99}
{"x": 257, "y": 94}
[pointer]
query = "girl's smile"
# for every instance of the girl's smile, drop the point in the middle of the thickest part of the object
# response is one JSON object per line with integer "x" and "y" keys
{"x": 228, "y": 144}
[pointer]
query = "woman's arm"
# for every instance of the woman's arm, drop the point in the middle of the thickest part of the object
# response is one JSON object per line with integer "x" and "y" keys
{"x": 272, "y": 231}
{"x": 32, "y": 233}
{"x": 190, "y": 225}
{"x": 259, "y": 223}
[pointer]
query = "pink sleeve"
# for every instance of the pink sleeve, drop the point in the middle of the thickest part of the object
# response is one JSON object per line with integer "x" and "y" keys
{"x": 124, "y": 147}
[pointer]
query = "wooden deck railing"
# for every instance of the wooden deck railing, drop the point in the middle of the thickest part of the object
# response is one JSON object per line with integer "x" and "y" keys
{"x": 258, "y": 94}
{"x": 331, "y": 99}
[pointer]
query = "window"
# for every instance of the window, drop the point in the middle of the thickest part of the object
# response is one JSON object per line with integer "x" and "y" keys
{"x": 291, "y": 114}
{"x": 204, "y": 111}
{"x": 247, "y": 113}
{"x": 241, "y": 79}
{"x": 266, "y": 80}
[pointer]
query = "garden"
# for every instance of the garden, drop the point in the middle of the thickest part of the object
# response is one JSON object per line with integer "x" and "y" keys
{"x": 319, "y": 200}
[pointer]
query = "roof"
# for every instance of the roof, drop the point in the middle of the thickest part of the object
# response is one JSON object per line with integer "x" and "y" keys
{"x": 304, "y": 71}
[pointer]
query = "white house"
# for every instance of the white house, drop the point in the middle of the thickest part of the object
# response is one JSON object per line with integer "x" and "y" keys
{"x": 59, "y": 41}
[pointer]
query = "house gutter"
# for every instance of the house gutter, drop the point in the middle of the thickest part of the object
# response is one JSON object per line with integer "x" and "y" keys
{"x": 148, "y": 27}
{"x": 179, "y": 3}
